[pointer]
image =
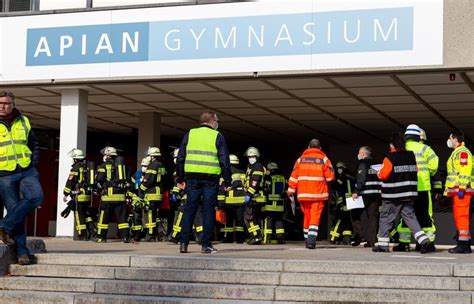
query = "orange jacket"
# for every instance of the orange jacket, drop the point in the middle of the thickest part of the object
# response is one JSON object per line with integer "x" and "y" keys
{"x": 311, "y": 174}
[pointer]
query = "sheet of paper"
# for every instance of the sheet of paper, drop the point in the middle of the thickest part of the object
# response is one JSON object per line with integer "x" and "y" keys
{"x": 354, "y": 203}
{"x": 376, "y": 167}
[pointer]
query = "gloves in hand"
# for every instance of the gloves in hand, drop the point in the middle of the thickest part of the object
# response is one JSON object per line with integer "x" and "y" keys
{"x": 247, "y": 199}
{"x": 64, "y": 198}
{"x": 461, "y": 194}
{"x": 173, "y": 198}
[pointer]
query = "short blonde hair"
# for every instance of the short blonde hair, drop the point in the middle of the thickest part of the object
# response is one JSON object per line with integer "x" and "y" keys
{"x": 207, "y": 117}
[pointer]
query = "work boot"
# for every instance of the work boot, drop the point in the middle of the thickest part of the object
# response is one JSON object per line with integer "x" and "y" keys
{"x": 183, "y": 248}
{"x": 356, "y": 241}
{"x": 80, "y": 238}
{"x": 99, "y": 240}
{"x": 402, "y": 247}
{"x": 255, "y": 240}
{"x": 425, "y": 247}
{"x": 310, "y": 245}
{"x": 378, "y": 248}
{"x": 24, "y": 260}
{"x": 461, "y": 247}
{"x": 368, "y": 245}
{"x": 346, "y": 240}
{"x": 208, "y": 249}
{"x": 281, "y": 241}
{"x": 6, "y": 238}
{"x": 126, "y": 240}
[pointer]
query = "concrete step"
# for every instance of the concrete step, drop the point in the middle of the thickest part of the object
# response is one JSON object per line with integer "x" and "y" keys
{"x": 35, "y": 297}
{"x": 8, "y": 254}
{"x": 240, "y": 277}
{"x": 265, "y": 265}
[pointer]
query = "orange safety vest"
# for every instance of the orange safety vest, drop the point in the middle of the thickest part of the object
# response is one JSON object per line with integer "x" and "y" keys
{"x": 310, "y": 176}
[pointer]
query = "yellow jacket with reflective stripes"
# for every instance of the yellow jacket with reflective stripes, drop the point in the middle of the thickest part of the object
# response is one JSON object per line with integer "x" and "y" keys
{"x": 201, "y": 152}
{"x": 426, "y": 161}
{"x": 459, "y": 167}
{"x": 14, "y": 148}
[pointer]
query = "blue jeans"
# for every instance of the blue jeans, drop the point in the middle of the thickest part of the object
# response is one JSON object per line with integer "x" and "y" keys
{"x": 198, "y": 191}
{"x": 27, "y": 186}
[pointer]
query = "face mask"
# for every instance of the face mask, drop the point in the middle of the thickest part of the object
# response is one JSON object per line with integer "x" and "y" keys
{"x": 449, "y": 143}
{"x": 174, "y": 160}
{"x": 216, "y": 126}
{"x": 359, "y": 157}
{"x": 143, "y": 169}
{"x": 105, "y": 158}
{"x": 252, "y": 160}
{"x": 340, "y": 171}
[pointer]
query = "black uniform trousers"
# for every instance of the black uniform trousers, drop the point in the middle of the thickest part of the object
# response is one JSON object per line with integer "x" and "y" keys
{"x": 372, "y": 204}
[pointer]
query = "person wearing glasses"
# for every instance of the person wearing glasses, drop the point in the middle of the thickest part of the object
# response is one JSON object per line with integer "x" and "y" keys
{"x": 20, "y": 188}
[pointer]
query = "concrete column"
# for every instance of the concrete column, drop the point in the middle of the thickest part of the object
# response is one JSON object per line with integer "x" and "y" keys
{"x": 149, "y": 131}
{"x": 73, "y": 134}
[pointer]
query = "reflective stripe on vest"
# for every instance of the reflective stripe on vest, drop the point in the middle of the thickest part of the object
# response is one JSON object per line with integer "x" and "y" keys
{"x": 424, "y": 176}
{"x": 14, "y": 148}
{"x": 455, "y": 179}
{"x": 201, "y": 152}
{"x": 402, "y": 184}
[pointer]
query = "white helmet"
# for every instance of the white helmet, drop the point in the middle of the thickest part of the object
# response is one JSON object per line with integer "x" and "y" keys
{"x": 109, "y": 151}
{"x": 234, "y": 160}
{"x": 153, "y": 151}
{"x": 423, "y": 135}
{"x": 413, "y": 130}
{"x": 272, "y": 166}
{"x": 76, "y": 154}
{"x": 252, "y": 151}
{"x": 145, "y": 161}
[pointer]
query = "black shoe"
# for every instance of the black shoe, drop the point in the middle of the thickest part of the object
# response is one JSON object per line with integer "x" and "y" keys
{"x": 24, "y": 260}
{"x": 255, "y": 240}
{"x": 208, "y": 249}
{"x": 125, "y": 240}
{"x": 332, "y": 243}
{"x": 461, "y": 247}
{"x": 183, "y": 248}
{"x": 6, "y": 238}
{"x": 402, "y": 247}
{"x": 355, "y": 242}
{"x": 378, "y": 248}
{"x": 432, "y": 247}
{"x": 425, "y": 247}
{"x": 311, "y": 246}
{"x": 368, "y": 244}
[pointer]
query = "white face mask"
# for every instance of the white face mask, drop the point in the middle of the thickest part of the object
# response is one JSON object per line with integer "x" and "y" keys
{"x": 174, "y": 160}
{"x": 359, "y": 157}
{"x": 252, "y": 160}
{"x": 143, "y": 169}
{"x": 340, "y": 171}
{"x": 105, "y": 158}
{"x": 449, "y": 143}
{"x": 216, "y": 126}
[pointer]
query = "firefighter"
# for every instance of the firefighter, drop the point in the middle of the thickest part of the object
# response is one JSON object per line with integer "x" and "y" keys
{"x": 368, "y": 186}
{"x": 178, "y": 198}
{"x": 79, "y": 188}
{"x": 150, "y": 190}
{"x": 343, "y": 186}
{"x": 138, "y": 205}
{"x": 310, "y": 177}
{"x": 232, "y": 202}
{"x": 274, "y": 208}
{"x": 399, "y": 191}
{"x": 427, "y": 162}
{"x": 459, "y": 187}
{"x": 112, "y": 183}
{"x": 255, "y": 196}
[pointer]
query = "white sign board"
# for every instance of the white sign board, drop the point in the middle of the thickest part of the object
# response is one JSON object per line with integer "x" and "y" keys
{"x": 224, "y": 38}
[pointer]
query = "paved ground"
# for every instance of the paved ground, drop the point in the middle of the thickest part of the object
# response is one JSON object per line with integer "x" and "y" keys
{"x": 293, "y": 250}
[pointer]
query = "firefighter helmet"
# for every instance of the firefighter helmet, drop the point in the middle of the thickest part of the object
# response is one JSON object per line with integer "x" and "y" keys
{"x": 272, "y": 166}
{"x": 76, "y": 154}
{"x": 423, "y": 135}
{"x": 145, "y": 161}
{"x": 413, "y": 130}
{"x": 252, "y": 151}
{"x": 109, "y": 151}
{"x": 234, "y": 160}
{"x": 153, "y": 151}
{"x": 341, "y": 165}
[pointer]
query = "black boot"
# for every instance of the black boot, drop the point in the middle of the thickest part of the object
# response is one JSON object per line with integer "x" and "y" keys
{"x": 461, "y": 247}
{"x": 425, "y": 247}
{"x": 402, "y": 247}
{"x": 378, "y": 248}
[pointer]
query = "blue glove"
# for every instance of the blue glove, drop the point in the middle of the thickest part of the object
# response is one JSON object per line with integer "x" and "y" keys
{"x": 173, "y": 198}
{"x": 247, "y": 199}
{"x": 460, "y": 194}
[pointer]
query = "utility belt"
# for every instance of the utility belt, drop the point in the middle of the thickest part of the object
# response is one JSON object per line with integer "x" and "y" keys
{"x": 113, "y": 195}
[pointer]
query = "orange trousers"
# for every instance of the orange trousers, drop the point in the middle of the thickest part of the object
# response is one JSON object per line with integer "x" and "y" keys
{"x": 461, "y": 216}
{"x": 312, "y": 213}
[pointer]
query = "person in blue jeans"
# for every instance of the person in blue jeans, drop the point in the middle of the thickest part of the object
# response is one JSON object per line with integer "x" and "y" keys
{"x": 20, "y": 189}
{"x": 202, "y": 158}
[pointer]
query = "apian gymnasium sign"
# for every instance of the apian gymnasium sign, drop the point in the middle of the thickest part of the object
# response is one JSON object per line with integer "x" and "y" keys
{"x": 334, "y": 32}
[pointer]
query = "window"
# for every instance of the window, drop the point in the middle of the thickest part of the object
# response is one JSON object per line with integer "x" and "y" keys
{"x": 16, "y": 5}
